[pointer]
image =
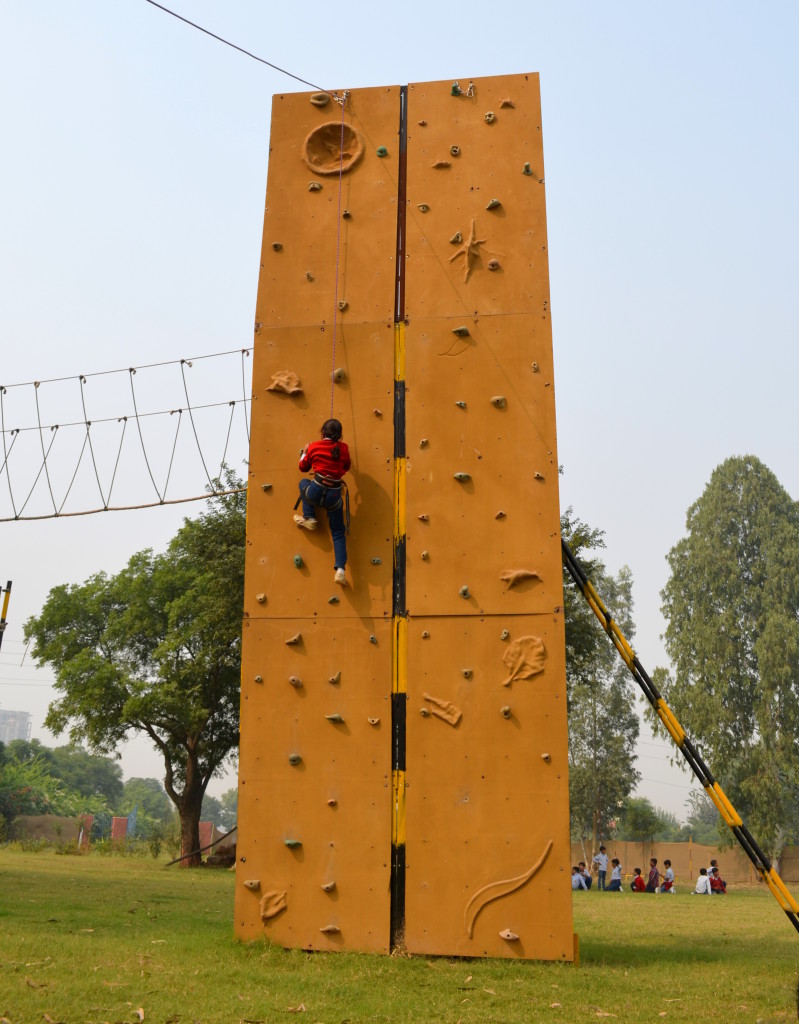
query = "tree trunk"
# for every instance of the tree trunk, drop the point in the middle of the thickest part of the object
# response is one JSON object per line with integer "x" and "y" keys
{"x": 190, "y": 808}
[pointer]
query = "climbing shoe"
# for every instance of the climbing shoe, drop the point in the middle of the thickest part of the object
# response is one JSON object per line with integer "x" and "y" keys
{"x": 306, "y": 524}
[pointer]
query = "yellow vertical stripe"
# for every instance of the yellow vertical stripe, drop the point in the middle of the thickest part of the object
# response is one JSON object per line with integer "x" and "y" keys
{"x": 399, "y": 673}
{"x": 398, "y": 816}
{"x": 399, "y": 351}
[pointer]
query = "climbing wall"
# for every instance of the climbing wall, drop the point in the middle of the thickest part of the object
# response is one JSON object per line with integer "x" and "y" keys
{"x": 403, "y": 767}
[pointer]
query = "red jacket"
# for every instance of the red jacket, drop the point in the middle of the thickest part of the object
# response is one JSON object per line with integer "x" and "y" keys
{"x": 318, "y": 456}
{"x": 638, "y": 884}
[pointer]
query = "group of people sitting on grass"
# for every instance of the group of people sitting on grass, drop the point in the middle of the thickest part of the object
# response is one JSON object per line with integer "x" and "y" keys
{"x": 709, "y": 882}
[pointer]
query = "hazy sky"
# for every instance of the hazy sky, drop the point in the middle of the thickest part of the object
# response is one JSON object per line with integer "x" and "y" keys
{"x": 133, "y": 170}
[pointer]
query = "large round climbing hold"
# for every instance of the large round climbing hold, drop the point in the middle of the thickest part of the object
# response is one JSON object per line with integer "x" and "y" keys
{"x": 333, "y": 148}
{"x": 298, "y": 561}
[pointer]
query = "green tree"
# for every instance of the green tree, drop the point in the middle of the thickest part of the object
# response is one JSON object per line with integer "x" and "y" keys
{"x": 156, "y": 649}
{"x": 704, "y": 824}
{"x": 149, "y": 796}
{"x": 732, "y": 607}
{"x": 603, "y": 725}
{"x": 640, "y": 820}
{"x": 89, "y": 774}
{"x": 230, "y": 808}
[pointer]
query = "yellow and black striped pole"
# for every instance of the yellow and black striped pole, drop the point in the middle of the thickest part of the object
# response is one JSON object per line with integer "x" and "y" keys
{"x": 399, "y": 632}
{"x": 686, "y": 746}
{"x": 6, "y": 597}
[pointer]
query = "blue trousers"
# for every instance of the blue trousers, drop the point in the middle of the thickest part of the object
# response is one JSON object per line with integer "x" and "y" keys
{"x": 315, "y": 496}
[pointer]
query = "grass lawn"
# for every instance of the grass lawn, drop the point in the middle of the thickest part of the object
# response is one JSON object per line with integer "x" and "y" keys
{"x": 92, "y": 939}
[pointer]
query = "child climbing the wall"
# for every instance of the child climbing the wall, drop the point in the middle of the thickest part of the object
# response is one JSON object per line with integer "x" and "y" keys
{"x": 329, "y": 460}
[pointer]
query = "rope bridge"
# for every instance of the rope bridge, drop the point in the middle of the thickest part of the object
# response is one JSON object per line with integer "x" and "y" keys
{"x": 122, "y": 439}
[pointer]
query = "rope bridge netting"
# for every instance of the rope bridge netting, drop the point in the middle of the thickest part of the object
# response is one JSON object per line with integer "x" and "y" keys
{"x": 137, "y": 437}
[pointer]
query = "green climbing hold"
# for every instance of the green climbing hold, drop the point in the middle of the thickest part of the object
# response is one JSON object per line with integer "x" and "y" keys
{"x": 294, "y": 759}
{"x": 527, "y": 169}
{"x": 298, "y": 561}
{"x": 464, "y": 591}
{"x": 377, "y": 561}
{"x": 332, "y": 600}
{"x": 455, "y": 90}
{"x": 382, "y": 151}
{"x": 292, "y": 843}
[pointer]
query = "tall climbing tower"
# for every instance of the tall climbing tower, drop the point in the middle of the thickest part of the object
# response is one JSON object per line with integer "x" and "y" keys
{"x": 403, "y": 763}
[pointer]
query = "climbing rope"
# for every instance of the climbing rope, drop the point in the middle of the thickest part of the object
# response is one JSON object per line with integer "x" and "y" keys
{"x": 689, "y": 751}
{"x": 342, "y": 102}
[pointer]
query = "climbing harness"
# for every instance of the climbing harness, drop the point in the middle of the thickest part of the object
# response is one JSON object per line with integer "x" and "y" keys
{"x": 684, "y": 743}
{"x": 344, "y": 499}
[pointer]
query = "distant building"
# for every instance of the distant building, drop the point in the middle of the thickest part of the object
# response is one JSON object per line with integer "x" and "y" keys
{"x": 14, "y": 725}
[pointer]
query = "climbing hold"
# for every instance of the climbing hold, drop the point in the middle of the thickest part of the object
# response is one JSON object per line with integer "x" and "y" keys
{"x": 493, "y": 204}
{"x": 467, "y": 673}
{"x": 424, "y": 443}
{"x": 462, "y": 478}
{"x": 260, "y": 598}
{"x": 422, "y": 207}
{"x": 298, "y": 561}
{"x": 330, "y": 929}
{"x": 538, "y": 476}
{"x": 295, "y": 681}
{"x": 425, "y": 635}
{"x": 504, "y": 634}
{"x": 455, "y": 150}
{"x": 489, "y": 117}
{"x": 337, "y": 719}
{"x": 461, "y": 405}
{"x": 464, "y": 591}
{"x": 424, "y": 517}
{"x": 373, "y": 721}
{"x": 499, "y": 401}
{"x": 328, "y": 886}
{"x": 372, "y": 639}
{"x": 443, "y": 709}
{"x": 333, "y": 599}
{"x": 277, "y": 246}
{"x": 377, "y": 412}
{"x": 425, "y": 555}
{"x": 272, "y": 903}
{"x": 335, "y": 679}
{"x": 424, "y": 712}
{"x": 343, "y": 304}
{"x": 332, "y": 148}
{"x": 508, "y": 935}
{"x": 462, "y": 331}
{"x": 377, "y": 561}
{"x": 308, "y": 275}
{"x": 514, "y": 576}
{"x": 500, "y": 514}
{"x": 259, "y": 679}
{"x": 494, "y": 264}
{"x": 505, "y": 711}
{"x": 456, "y": 239}
{"x": 294, "y": 758}
{"x": 456, "y": 90}
{"x": 536, "y": 367}
{"x": 253, "y": 884}
{"x": 422, "y": 124}
{"x": 292, "y": 844}
{"x": 332, "y": 802}
{"x": 294, "y": 640}
{"x": 266, "y": 487}
{"x": 286, "y": 382}
{"x": 338, "y": 375}
{"x": 382, "y": 151}
{"x": 314, "y": 186}
{"x": 346, "y": 214}
{"x": 440, "y": 163}
{"x": 320, "y": 99}
{"x": 546, "y": 757}
{"x": 527, "y": 169}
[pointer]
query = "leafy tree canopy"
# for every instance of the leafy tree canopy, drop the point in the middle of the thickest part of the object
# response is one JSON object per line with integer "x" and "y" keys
{"x": 603, "y": 724}
{"x": 732, "y": 607}
{"x": 149, "y": 796}
{"x": 156, "y": 649}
